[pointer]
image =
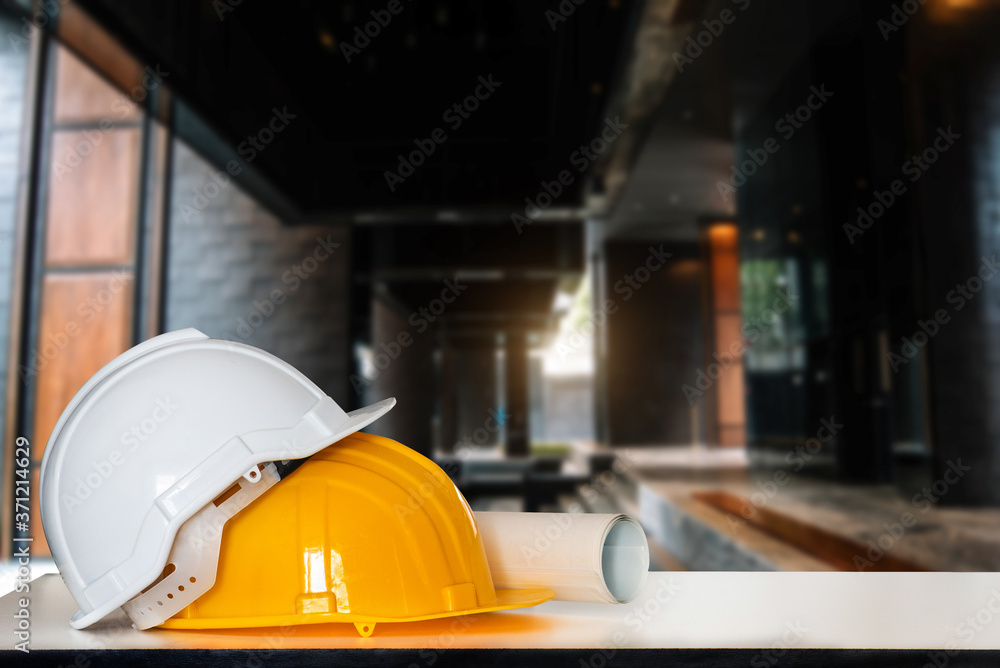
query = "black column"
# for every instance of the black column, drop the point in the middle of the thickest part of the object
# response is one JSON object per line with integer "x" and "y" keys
{"x": 447, "y": 415}
{"x": 956, "y": 72}
{"x": 516, "y": 383}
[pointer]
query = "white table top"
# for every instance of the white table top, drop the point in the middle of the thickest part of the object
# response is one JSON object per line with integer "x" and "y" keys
{"x": 675, "y": 610}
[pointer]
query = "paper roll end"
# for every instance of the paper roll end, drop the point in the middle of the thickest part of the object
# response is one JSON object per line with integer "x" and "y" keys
{"x": 624, "y": 559}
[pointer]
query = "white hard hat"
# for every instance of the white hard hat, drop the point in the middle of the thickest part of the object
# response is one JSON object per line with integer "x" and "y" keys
{"x": 156, "y": 436}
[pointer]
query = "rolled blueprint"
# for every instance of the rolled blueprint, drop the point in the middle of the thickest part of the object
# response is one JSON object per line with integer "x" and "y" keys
{"x": 579, "y": 556}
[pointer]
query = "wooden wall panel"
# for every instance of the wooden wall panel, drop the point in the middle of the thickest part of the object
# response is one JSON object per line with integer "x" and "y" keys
{"x": 82, "y": 33}
{"x": 98, "y": 307}
{"x": 82, "y": 95}
{"x": 92, "y": 209}
{"x": 730, "y": 399}
{"x": 732, "y": 407}
{"x": 85, "y": 313}
{"x": 725, "y": 267}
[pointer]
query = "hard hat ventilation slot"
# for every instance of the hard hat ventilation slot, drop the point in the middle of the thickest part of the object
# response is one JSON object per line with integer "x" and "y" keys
{"x": 228, "y": 494}
{"x": 167, "y": 570}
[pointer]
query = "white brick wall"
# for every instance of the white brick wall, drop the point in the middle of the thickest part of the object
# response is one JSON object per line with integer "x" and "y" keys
{"x": 233, "y": 253}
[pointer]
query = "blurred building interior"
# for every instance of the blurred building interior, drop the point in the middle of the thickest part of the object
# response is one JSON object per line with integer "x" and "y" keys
{"x": 722, "y": 264}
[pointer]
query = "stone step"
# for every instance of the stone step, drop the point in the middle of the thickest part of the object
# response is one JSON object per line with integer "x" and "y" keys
{"x": 702, "y": 537}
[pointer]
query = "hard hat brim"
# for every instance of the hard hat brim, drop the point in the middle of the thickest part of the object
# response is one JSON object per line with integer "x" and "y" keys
{"x": 507, "y": 599}
{"x": 362, "y": 417}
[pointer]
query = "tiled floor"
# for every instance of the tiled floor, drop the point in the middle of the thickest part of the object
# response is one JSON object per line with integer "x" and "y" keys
{"x": 937, "y": 537}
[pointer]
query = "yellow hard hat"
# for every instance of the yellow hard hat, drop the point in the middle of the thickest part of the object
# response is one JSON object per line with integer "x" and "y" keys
{"x": 365, "y": 531}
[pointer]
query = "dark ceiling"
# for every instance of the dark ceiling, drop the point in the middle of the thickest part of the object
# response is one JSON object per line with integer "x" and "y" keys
{"x": 233, "y": 63}
{"x": 359, "y": 101}
{"x": 557, "y": 69}
{"x": 503, "y": 280}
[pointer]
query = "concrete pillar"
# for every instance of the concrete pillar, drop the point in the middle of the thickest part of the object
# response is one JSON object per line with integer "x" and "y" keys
{"x": 474, "y": 380}
{"x": 409, "y": 377}
{"x": 654, "y": 340}
{"x": 599, "y": 289}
